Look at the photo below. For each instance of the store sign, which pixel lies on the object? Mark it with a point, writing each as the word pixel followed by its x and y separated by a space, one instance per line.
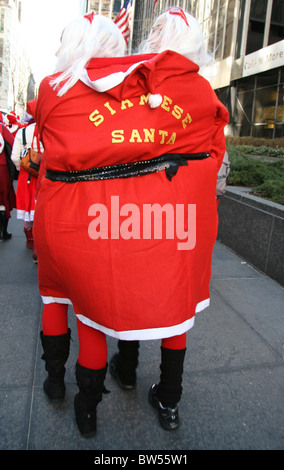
pixel 265 59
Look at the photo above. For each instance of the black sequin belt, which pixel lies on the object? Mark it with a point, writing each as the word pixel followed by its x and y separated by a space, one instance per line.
pixel 168 162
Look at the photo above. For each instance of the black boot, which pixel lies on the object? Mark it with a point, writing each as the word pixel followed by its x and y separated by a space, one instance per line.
pixel 56 352
pixel 91 387
pixel 165 395
pixel 4 235
pixel 124 363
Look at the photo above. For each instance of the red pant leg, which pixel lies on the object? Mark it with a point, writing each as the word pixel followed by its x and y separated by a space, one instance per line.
pixel 92 347
pixel 55 319
pixel 175 342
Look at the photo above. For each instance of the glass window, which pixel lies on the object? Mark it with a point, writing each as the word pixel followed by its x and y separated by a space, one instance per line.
pixel 276 32
pixel 220 32
pixel 215 5
pixel 246 83
pixel 267 78
pixel 212 22
pixel 228 40
pixel 229 29
pixel 256 26
pixel 244 112
pixel 2 20
pixel 221 18
pixel 280 107
pixel 219 42
pixel 265 101
pixel 260 105
pixel 244 105
pixel 116 6
pixel 279 131
pixel 240 30
pixel 212 28
pixel 205 31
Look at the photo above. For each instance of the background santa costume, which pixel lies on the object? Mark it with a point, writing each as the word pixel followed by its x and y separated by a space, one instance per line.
pixel 7 192
pixel 27 183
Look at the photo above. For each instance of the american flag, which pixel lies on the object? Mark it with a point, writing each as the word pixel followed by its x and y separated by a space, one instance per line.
pixel 124 19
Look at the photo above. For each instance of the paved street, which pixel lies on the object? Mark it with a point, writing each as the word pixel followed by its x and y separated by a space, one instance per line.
pixel 233 380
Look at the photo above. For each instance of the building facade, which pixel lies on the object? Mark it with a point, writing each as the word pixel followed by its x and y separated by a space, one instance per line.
pixel 246 39
pixel 17 84
pixel 108 8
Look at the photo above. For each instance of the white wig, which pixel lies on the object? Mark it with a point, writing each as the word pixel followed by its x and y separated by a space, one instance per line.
pixel 178 31
pixel 87 37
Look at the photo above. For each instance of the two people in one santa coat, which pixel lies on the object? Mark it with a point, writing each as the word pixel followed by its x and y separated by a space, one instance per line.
pixel 127 140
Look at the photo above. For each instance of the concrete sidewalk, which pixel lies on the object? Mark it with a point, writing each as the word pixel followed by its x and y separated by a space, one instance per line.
pixel 233 379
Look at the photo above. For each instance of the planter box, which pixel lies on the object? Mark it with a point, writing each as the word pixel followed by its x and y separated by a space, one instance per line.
pixel 254 229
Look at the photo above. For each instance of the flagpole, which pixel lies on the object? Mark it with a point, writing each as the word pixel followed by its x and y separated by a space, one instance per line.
pixel 132 26
pixel 110 9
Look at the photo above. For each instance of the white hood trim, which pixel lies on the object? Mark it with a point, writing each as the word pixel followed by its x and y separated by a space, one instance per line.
pixel 109 81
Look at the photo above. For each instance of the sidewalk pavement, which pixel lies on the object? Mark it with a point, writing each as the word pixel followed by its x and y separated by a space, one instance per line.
pixel 233 382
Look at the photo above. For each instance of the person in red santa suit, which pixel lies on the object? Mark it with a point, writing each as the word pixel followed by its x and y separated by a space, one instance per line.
pixel 12 122
pixel 126 218
pixel 7 192
pixel 27 183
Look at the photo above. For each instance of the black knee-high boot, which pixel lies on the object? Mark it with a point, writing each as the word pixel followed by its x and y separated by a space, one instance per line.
pixel 167 393
pixel 4 235
pixel 55 354
pixel 124 363
pixel 91 387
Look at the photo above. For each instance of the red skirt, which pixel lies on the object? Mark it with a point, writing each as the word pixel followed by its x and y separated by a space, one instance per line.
pixel 7 192
pixel 26 190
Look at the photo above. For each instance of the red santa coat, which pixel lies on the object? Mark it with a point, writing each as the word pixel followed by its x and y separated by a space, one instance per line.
pixel 27 183
pixel 126 274
pixel 7 192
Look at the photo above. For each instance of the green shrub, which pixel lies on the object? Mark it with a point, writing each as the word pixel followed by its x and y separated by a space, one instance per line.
pixel 266 178
pixel 262 150
pixel 255 141
pixel 271 189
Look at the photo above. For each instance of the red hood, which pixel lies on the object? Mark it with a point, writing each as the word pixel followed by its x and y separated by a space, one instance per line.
pixel 127 77
pixel 31 106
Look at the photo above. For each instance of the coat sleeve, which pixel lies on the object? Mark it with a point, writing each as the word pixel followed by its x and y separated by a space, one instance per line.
pixel 221 120
pixel 47 100
pixel 8 136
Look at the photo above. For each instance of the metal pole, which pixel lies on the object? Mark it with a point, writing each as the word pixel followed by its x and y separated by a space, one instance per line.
pixel 132 26
pixel 245 28
pixel 110 9
pixel 267 23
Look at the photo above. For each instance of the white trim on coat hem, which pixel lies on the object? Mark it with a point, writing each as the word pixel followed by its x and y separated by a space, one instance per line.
pixel 140 335
pixel 26 216
pixel 202 305
pixel 135 335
